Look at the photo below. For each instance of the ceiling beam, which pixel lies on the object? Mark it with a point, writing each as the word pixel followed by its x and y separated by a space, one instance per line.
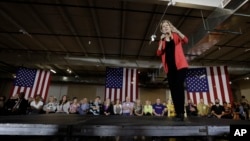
pixel 7 67
pixel 67 19
pixel 196 4
pixel 183 18
pixel 148 27
pixel 123 23
pixel 45 26
pixel 97 27
pixel 232 50
pixel 21 29
pixel 14 40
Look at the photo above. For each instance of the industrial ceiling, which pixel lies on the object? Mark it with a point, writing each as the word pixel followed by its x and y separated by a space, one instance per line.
pixel 80 38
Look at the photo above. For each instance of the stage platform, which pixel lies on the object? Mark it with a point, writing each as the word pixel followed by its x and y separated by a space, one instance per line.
pixel 70 126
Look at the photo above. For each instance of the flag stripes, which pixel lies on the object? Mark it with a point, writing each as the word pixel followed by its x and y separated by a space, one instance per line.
pixel 129 87
pixel 40 84
pixel 218 84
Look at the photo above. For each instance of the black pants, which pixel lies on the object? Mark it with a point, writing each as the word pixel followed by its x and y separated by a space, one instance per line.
pixel 176 84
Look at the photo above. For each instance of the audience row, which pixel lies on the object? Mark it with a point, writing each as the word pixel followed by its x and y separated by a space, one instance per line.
pixel 20 105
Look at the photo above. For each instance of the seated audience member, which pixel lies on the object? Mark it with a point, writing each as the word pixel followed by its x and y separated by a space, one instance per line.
pixel 127 107
pixel 63 106
pixel 50 107
pixel 138 108
pixel 171 110
pixel 74 106
pixel 2 104
pixel 228 114
pixel 191 108
pixel 117 107
pixel 10 104
pixel 202 109
pixel 210 104
pixel 107 108
pixel 244 102
pixel 36 105
pixel 30 99
pixel 55 99
pixel 20 106
pixel 158 108
pixel 147 108
pixel 238 113
pixel 138 111
pixel 217 110
pixel 95 107
pixel 166 109
pixel 2 101
pixel 84 107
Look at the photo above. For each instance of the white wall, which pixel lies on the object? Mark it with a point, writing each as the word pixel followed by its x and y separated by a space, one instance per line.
pixel 245 88
pixel 58 90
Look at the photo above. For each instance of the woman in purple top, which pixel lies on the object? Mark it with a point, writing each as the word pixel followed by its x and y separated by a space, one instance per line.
pixel 107 108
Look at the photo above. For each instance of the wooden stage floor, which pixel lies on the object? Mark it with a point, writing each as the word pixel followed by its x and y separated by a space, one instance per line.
pixel 70 126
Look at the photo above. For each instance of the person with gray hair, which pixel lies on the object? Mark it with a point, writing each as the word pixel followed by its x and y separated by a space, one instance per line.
pixel 50 106
pixel 127 107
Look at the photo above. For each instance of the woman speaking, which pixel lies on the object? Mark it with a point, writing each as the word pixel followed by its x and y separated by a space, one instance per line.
pixel 174 63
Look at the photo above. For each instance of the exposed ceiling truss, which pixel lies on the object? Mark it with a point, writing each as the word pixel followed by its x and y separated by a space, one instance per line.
pixel 87 36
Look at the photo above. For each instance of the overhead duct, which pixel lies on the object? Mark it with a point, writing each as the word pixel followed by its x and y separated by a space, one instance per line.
pixel 232 4
pixel 239 70
pixel 203 39
pixel 114 62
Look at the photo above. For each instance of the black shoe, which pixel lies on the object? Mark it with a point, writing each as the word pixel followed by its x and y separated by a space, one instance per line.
pixel 179 117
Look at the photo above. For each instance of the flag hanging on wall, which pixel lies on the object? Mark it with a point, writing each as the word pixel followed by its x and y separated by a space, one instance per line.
pixel 32 82
pixel 208 83
pixel 120 83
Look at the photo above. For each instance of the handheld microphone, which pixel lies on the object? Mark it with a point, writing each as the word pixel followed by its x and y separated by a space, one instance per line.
pixel 163 37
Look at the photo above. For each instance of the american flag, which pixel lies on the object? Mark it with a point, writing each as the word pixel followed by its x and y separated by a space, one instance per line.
pixel 208 83
pixel 120 83
pixel 32 82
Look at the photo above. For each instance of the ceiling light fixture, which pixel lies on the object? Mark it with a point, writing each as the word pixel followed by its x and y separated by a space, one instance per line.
pixel 64 78
pixel 52 70
pixel 24 32
pixel 248 49
pixel 69 70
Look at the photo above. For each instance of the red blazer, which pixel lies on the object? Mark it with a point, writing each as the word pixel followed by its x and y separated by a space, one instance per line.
pixel 180 59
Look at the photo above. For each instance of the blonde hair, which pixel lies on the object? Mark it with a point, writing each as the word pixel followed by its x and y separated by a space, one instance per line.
pixel 165 21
